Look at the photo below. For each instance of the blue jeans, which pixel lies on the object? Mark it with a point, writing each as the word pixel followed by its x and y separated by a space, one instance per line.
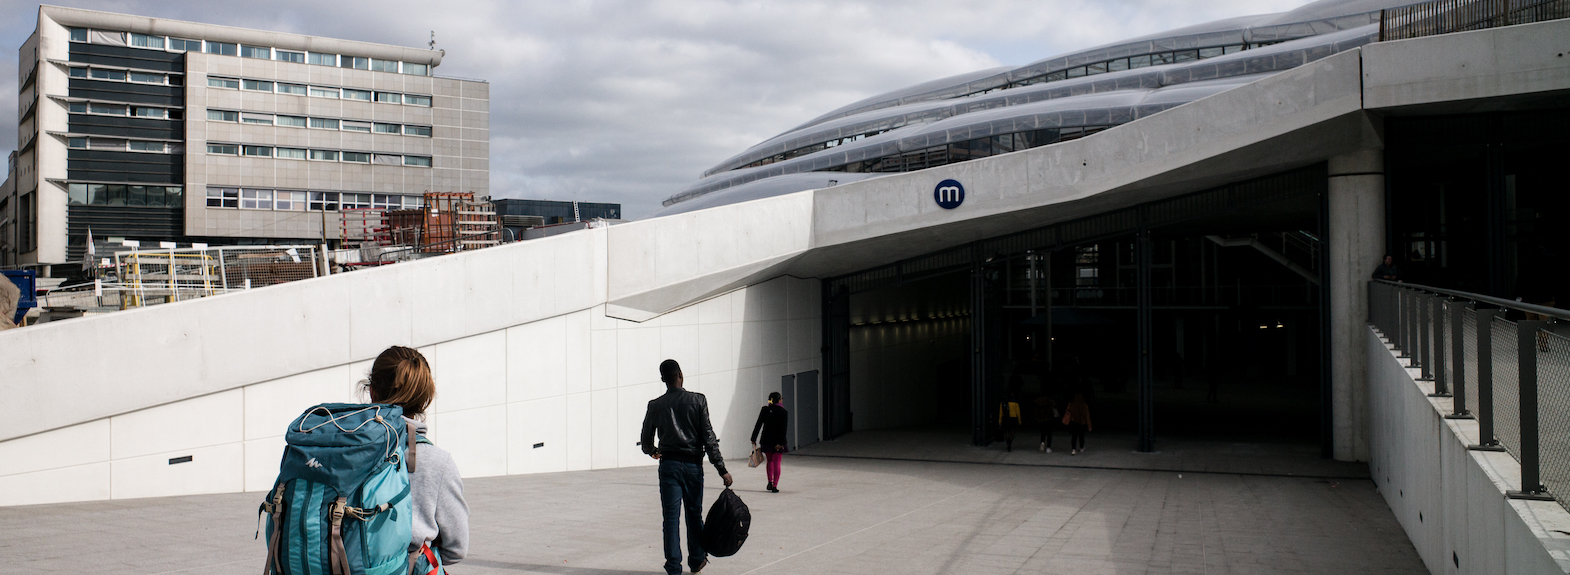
pixel 681 487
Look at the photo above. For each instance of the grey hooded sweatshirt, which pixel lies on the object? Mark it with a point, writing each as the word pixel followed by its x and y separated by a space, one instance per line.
pixel 441 516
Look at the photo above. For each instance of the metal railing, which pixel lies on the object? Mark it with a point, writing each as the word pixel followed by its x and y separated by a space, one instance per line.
pixel 1504 363
pixel 1447 16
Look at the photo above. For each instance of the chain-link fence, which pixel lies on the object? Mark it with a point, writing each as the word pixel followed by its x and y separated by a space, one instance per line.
pixel 1509 370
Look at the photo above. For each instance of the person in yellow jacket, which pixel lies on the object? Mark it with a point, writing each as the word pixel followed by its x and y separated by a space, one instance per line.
pixel 1009 419
pixel 1077 418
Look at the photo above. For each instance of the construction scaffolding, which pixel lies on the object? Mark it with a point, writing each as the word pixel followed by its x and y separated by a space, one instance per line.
pixel 455 222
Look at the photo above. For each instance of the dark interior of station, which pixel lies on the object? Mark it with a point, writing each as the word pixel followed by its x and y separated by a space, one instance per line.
pixel 1234 325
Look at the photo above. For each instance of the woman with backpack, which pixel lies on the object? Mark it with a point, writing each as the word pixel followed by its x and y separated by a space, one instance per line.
pixel 771 423
pixel 1077 418
pixel 401 376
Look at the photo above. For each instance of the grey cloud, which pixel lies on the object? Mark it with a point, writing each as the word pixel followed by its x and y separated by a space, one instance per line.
pixel 630 101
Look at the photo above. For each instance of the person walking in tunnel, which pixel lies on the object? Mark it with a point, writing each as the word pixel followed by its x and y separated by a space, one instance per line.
pixel 1077 418
pixel 1009 418
pixel 1046 415
pixel 771 423
pixel 681 420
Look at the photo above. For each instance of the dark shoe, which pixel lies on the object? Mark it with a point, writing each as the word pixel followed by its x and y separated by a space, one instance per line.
pixel 773 489
pixel 699 569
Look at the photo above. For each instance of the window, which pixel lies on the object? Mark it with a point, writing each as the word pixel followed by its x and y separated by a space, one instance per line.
pixel 223 116
pixel 386 159
pixel 76 194
pixel 324 201
pixel 356 63
pixel 416 69
pixel 287 56
pixel 414 100
pixel 78 72
pixel 293 201
pixel 362 95
pixel 259 151
pixel 147 146
pixel 324 123
pixel 384 66
pixel 384 201
pixel 356 126
pixel 250 118
pixel 98 74
pixel 355 201
pixel 229 83
pixel 421 161
pixel 413 202
pixel 256 199
pixel 295 89
pixel 258 52
pixel 76 142
pixel 290 121
pixel 146 78
pixel 78 34
pixel 381 128
pixel 78 107
pixel 258 85
pixel 417 131
pixel 185 45
pixel 226 149
pixel 326 155
pixel 142 41
pixel 290 154
pixel 223 197
pixel 321 59
pixel 324 92
pixel 357 157
pixel 221 49
pixel 110 109
pixel 176 114
pixel 176 80
pixel 105 144
pixel 389 97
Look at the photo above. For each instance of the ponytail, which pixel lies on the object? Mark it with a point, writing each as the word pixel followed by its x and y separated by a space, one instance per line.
pixel 401 376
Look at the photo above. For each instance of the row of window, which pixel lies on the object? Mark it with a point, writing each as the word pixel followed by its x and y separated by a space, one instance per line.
pixel 318 123
pixel 298 201
pixel 132 76
pixel 119 145
pixel 956 152
pixel 104 109
pixel 319 91
pixel 246 51
pixel 319 155
pixel 1113 65
pixel 126 195
pixel 799 152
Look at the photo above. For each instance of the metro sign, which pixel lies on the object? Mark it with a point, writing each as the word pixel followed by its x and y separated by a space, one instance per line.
pixel 949 194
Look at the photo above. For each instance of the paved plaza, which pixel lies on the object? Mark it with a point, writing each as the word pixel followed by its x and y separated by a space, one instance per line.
pixel 838 512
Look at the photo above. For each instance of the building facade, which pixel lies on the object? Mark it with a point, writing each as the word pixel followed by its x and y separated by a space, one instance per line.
pixel 152 129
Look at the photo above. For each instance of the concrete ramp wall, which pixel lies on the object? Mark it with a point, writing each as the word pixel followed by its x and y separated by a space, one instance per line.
pixel 1451 501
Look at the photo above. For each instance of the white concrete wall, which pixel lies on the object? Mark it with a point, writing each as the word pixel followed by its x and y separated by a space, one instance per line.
pixel 1451 500
pixel 576 382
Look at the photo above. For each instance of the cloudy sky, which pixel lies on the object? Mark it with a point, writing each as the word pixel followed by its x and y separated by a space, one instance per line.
pixel 630 101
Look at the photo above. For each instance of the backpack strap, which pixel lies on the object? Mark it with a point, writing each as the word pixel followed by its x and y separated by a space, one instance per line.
pixel 337 557
pixel 274 508
pixel 409 453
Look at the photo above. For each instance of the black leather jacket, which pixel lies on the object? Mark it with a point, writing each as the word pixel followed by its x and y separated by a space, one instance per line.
pixel 681 418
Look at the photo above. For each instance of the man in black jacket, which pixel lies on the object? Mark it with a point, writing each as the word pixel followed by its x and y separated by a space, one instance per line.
pixel 681 418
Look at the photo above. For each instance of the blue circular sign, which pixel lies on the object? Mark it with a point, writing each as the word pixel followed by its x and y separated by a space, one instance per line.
pixel 949 194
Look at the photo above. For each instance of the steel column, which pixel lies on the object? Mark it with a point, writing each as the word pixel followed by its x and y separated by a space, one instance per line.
pixel 1531 455
pixel 1436 314
pixel 1458 359
pixel 1147 441
pixel 1487 440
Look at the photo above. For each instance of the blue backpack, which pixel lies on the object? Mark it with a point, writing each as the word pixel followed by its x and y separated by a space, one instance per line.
pixel 341 503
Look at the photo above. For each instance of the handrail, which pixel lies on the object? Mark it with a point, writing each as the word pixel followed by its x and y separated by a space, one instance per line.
pixel 1448 16
pixel 1556 313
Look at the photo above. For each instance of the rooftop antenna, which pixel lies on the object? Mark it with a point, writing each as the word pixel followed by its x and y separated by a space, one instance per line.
pixel 433 40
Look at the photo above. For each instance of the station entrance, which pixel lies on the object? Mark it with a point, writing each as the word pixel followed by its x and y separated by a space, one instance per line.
pixel 1197 317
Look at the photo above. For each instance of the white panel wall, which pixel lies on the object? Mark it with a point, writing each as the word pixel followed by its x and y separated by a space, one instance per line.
pixel 574 384
pixel 1451 501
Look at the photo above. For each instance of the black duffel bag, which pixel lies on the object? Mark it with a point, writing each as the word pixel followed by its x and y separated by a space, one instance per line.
pixel 725 529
